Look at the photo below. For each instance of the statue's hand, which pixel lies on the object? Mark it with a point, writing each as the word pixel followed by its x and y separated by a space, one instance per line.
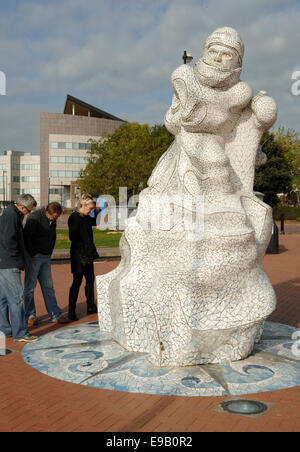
pixel 264 109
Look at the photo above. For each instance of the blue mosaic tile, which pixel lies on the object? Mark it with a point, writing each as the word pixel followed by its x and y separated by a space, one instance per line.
pixel 85 356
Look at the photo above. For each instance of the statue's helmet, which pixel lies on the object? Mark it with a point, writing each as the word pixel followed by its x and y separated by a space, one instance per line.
pixel 228 37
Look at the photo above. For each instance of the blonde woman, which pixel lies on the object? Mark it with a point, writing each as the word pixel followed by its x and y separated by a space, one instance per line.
pixel 83 254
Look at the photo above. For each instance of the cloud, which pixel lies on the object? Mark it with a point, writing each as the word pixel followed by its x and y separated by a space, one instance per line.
pixel 119 55
pixel 20 127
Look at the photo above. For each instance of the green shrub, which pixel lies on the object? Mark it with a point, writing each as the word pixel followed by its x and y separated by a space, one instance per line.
pixel 290 213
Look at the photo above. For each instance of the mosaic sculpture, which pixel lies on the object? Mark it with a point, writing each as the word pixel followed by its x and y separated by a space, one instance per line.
pixel 191 288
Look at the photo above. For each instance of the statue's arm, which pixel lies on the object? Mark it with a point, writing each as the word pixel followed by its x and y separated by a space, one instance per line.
pixel 181 99
pixel 239 96
pixel 242 147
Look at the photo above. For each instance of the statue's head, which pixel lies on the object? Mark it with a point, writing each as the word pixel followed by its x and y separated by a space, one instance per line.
pixel 224 46
pixel 222 58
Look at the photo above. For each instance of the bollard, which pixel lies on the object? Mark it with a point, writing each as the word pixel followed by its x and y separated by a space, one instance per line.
pixel 282 224
pixel 273 247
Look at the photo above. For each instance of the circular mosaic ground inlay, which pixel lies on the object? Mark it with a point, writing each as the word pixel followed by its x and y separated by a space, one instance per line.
pixel 81 354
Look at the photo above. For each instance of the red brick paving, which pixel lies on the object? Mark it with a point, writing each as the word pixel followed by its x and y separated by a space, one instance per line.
pixel 33 402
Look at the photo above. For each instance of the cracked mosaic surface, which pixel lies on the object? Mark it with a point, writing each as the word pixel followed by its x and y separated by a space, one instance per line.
pixel 198 295
pixel 82 355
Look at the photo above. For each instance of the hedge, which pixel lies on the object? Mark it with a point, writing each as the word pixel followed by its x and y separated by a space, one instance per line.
pixel 290 213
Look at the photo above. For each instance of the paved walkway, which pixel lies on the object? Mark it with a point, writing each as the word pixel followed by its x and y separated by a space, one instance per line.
pixel 31 401
pixel 290 227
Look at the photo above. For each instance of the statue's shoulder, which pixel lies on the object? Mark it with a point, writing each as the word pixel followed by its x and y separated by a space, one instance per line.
pixel 183 72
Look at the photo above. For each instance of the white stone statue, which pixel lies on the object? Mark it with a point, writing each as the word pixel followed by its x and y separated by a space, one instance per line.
pixel 190 288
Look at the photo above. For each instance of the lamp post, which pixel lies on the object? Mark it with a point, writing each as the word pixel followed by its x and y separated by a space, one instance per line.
pixel 4 191
pixel 187 57
pixel 61 193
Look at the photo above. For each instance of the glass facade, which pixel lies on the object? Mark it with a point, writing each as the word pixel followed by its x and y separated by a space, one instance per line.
pixel 32 191
pixel 80 160
pixel 65 174
pixel 28 167
pixel 65 145
pixel 55 191
pixel 30 179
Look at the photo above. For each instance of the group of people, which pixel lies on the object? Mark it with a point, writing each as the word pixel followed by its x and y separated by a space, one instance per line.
pixel 27 240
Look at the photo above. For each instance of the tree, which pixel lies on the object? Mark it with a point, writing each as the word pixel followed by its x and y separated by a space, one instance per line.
pixel 125 159
pixel 276 175
pixel 290 143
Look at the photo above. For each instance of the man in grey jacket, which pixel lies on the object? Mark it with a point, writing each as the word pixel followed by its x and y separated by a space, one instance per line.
pixel 12 261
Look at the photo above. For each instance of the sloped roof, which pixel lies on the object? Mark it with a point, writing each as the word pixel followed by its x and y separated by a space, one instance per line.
pixel 84 109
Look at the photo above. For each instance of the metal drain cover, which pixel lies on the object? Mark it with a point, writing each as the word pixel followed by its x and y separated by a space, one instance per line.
pixel 243 406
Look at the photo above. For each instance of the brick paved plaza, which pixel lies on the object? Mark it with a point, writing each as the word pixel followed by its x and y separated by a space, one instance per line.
pixel 32 402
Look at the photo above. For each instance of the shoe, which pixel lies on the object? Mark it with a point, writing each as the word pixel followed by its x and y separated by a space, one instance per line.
pixel 32 321
pixel 61 320
pixel 28 338
pixel 92 309
pixel 72 316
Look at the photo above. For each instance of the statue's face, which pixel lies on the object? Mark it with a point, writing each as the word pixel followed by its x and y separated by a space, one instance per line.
pixel 221 57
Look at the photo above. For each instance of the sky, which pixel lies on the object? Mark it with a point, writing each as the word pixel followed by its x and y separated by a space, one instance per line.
pixel 119 55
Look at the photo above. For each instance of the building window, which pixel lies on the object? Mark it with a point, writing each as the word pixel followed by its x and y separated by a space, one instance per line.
pixel 77 160
pixel 55 191
pixel 2 167
pixel 16 191
pixel 30 179
pixel 30 167
pixel 32 191
pixel 65 174
pixel 16 179
pixel 64 145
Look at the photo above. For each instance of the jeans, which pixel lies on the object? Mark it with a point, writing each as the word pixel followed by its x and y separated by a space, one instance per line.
pixel 39 269
pixel 12 317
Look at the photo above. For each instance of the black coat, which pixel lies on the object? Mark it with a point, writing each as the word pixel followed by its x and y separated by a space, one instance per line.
pixel 40 233
pixel 12 250
pixel 83 250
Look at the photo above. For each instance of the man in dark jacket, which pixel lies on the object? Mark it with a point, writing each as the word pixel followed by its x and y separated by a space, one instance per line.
pixel 40 238
pixel 12 261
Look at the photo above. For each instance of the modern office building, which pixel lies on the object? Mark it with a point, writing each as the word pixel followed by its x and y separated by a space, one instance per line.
pixel 19 173
pixel 65 144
